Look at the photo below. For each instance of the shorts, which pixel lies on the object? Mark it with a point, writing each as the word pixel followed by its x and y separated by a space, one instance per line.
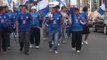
pixel 86 30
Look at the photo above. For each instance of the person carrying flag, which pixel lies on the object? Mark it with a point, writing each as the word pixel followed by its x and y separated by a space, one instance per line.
pixel 54 21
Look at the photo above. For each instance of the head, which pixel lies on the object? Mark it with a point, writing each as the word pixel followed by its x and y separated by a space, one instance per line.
pixel 64 8
pixel 77 12
pixel 35 3
pixel 20 7
pixel 1 10
pixel 54 10
pixel 6 9
pixel 85 9
pixel 33 9
pixel 24 9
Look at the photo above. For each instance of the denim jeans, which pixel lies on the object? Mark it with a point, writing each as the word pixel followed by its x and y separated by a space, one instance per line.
pixel 8 39
pixel 0 40
pixel 53 37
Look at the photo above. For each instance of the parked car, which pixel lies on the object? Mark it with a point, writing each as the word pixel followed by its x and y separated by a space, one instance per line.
pixel 90 22
pixel 101 24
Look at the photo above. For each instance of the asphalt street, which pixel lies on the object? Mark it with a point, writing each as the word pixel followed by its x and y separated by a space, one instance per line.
pixel 96 50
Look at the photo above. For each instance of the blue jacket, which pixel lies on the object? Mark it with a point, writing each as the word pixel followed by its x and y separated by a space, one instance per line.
pixel 54 25
pixel 24 22
pixel 76 26
pixel 36 22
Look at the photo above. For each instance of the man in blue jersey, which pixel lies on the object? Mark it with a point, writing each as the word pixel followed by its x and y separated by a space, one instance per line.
pixel 3 31
pixel 54 21
pixel 35 28
pixel 23 26
pixel 1 26
pixel 77 29
pixel 9 24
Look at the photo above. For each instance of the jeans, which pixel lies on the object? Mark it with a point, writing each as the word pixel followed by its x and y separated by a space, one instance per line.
pixel 8 39
pixel 24 41
pixel 53 37
pixel 0 40
pixel 3 40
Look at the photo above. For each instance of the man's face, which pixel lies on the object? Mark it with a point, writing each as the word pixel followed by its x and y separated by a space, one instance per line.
pixel 77 12
pixel 24 9
pixel 54 10
pixel 20 7
pixel 33 10
pixel 7 9
pixel 3 11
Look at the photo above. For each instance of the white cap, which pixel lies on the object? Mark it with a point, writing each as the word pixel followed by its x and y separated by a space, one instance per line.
pixel 34 7
pixel 35 0
pixel 53 4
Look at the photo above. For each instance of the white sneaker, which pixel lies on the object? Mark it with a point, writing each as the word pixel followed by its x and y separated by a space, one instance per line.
pixel 78 51
pixel 86 42
pixel 73 49
pixel 56 52
pixel 37 47
pixel 9 48
pixel 52 43
pixel 82 43
pixel 58 44
pixel 31 46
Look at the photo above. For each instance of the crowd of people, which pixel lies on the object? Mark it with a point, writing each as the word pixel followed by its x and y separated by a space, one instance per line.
pixel 60 23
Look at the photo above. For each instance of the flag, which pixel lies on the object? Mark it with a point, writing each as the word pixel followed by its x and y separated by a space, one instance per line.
pixel 26 2
pixel 61 3
pixel 9 3
pixel 43 7
pixel 101 10
pixel 67 2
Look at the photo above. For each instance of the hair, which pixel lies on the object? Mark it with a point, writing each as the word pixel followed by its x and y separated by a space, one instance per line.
pixel 5 7
pixel 76 9
pixel 85 9
pixel 63 7
pixel 25 6
pixel 1 8
pixel 20 5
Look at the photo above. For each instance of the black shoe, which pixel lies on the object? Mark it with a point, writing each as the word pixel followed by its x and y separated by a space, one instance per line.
pixel 26 53
pixel 21 49
pixel 0 50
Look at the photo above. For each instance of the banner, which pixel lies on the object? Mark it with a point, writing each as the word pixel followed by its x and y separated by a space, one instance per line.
pixel 102 9
pixel 9 3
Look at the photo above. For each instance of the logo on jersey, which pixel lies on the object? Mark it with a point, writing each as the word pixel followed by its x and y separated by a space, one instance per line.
pixel 27 17
pixel 5 17
pixel 21 18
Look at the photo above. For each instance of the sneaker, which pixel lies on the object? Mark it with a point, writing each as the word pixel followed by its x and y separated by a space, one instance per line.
pixel 31 46
pixel 9 48
pixel 78 51
pixel 21 49
pixel 58 44
pixel 82 43
pixel 56 52
pixel 52 43
pixel 37 47
pixel 73 49
pixel 86 42
pixel 63 42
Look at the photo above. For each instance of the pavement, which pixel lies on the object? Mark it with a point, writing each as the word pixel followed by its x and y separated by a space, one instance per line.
pixel 96 50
